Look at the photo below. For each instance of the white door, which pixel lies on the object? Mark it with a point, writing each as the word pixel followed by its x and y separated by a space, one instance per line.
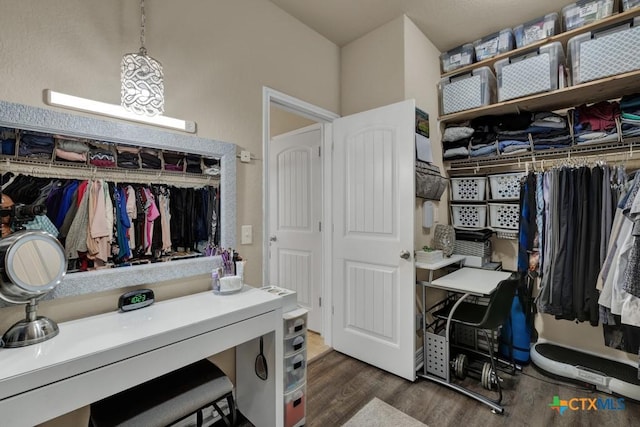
pixel 373 215
pixel 295 203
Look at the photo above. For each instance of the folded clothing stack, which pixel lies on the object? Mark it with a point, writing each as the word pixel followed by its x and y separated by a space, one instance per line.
pixel 596 123
pixel 455 141
pixel 71 149
pixel 173 162
pixel 128 157
pixel 549 130
pixel 8 141
pixel 513 134
pixel 211 166
pixel 630 115
pixel 194 164
pixel 102 155
pixel 36 145
pixel 484 141
pixel 150 159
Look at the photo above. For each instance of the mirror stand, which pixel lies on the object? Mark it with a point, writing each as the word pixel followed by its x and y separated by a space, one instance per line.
pixel 31 330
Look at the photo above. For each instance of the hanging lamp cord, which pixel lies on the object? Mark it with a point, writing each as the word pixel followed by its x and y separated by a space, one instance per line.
pixel 143 50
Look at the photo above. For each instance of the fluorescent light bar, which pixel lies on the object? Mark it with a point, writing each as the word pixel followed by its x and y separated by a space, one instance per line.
pixel 58 99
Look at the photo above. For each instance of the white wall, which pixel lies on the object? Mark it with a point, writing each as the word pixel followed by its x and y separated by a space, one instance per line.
pixel 217 55
pixel 372 70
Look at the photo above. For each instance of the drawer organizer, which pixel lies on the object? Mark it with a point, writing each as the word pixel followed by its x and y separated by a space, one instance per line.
pixel 295 367
pixel 504 216
pixel 469 216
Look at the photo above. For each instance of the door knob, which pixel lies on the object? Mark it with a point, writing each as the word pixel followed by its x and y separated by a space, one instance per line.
pixel 273 238
pixel 405 255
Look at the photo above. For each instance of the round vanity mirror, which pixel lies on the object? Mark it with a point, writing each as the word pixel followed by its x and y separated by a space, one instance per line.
pixel 32 263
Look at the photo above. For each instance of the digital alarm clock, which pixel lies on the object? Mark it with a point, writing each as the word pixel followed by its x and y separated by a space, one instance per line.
pixel 135 299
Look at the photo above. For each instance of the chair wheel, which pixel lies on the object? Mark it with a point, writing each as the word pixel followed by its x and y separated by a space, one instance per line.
pixel 460 365
pixel 488 377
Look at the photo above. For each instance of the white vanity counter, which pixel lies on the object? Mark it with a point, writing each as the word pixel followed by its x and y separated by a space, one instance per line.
pixel 98 356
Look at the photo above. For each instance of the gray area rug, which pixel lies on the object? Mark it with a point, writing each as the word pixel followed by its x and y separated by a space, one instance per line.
pixel 377 413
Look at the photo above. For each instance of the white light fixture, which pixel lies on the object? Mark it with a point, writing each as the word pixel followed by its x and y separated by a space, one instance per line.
pixel 142 90
pixel 58 99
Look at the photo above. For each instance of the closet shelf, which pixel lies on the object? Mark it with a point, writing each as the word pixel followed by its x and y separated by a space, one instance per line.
pixel 562 37
pixel 626 149
pixel 590 92
pixel 134 176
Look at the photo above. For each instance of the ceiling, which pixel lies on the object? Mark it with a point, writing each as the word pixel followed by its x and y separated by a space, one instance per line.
pixel 447 23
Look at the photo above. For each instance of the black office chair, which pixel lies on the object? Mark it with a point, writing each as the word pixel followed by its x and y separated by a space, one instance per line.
pixel 486 318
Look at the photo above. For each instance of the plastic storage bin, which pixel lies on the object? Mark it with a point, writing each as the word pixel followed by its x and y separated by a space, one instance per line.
pixel 505 186
pixel 504 216
pixel 295 326
pixel 536 30
pixel 533 72
pixel 468 189
pixel 630 4
pixel 466 91
pixel 494 44
pixel 456 58
pixel 469 216
pixel 294 404
pixel 294 343
pixel 597 55
pixel 294 369
pixel 580 13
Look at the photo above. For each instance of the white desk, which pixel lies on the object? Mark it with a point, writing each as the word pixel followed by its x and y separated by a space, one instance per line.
pixel 467 281
pixel 98 356
pixel 472 281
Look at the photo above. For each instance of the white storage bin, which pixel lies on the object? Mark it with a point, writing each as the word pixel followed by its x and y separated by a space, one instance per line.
pixel 536 30
pixel 295 326
pixel 630 4
pixel 597 55
pixel 456 58
pixel 505 186
pixel 430 257
pixel 294 406
pixel 583 12
pixel 468 189
pixel 534 72
pixel 295 343
pixel 295 367
pixel 469 216
pixel 466 91
pixel 504 216
pixel 494 44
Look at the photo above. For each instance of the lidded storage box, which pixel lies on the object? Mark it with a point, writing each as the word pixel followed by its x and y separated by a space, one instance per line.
pixel 456 58
pixel 468 189
pixel 630 4
pixel 533 72
pixel 536 30
pixel 584 12
pixel 606 53
pixel 494 44
pixel 467 91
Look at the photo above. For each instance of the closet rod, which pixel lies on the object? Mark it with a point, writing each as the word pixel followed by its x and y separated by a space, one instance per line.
pixel 531 162
pixel 125 176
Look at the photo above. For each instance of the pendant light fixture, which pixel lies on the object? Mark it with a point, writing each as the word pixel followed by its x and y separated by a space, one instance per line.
pixel 141 77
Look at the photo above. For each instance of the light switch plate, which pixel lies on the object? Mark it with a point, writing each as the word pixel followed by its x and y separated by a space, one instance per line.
pixel 247 234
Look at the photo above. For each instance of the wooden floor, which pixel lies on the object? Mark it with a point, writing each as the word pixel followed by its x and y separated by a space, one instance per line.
pixel 315 346
pixel 338 386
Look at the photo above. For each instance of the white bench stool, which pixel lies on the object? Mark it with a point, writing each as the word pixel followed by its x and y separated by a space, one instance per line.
pixel 168 399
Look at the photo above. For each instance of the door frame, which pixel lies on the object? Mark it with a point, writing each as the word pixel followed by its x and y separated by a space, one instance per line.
pixel 302 108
